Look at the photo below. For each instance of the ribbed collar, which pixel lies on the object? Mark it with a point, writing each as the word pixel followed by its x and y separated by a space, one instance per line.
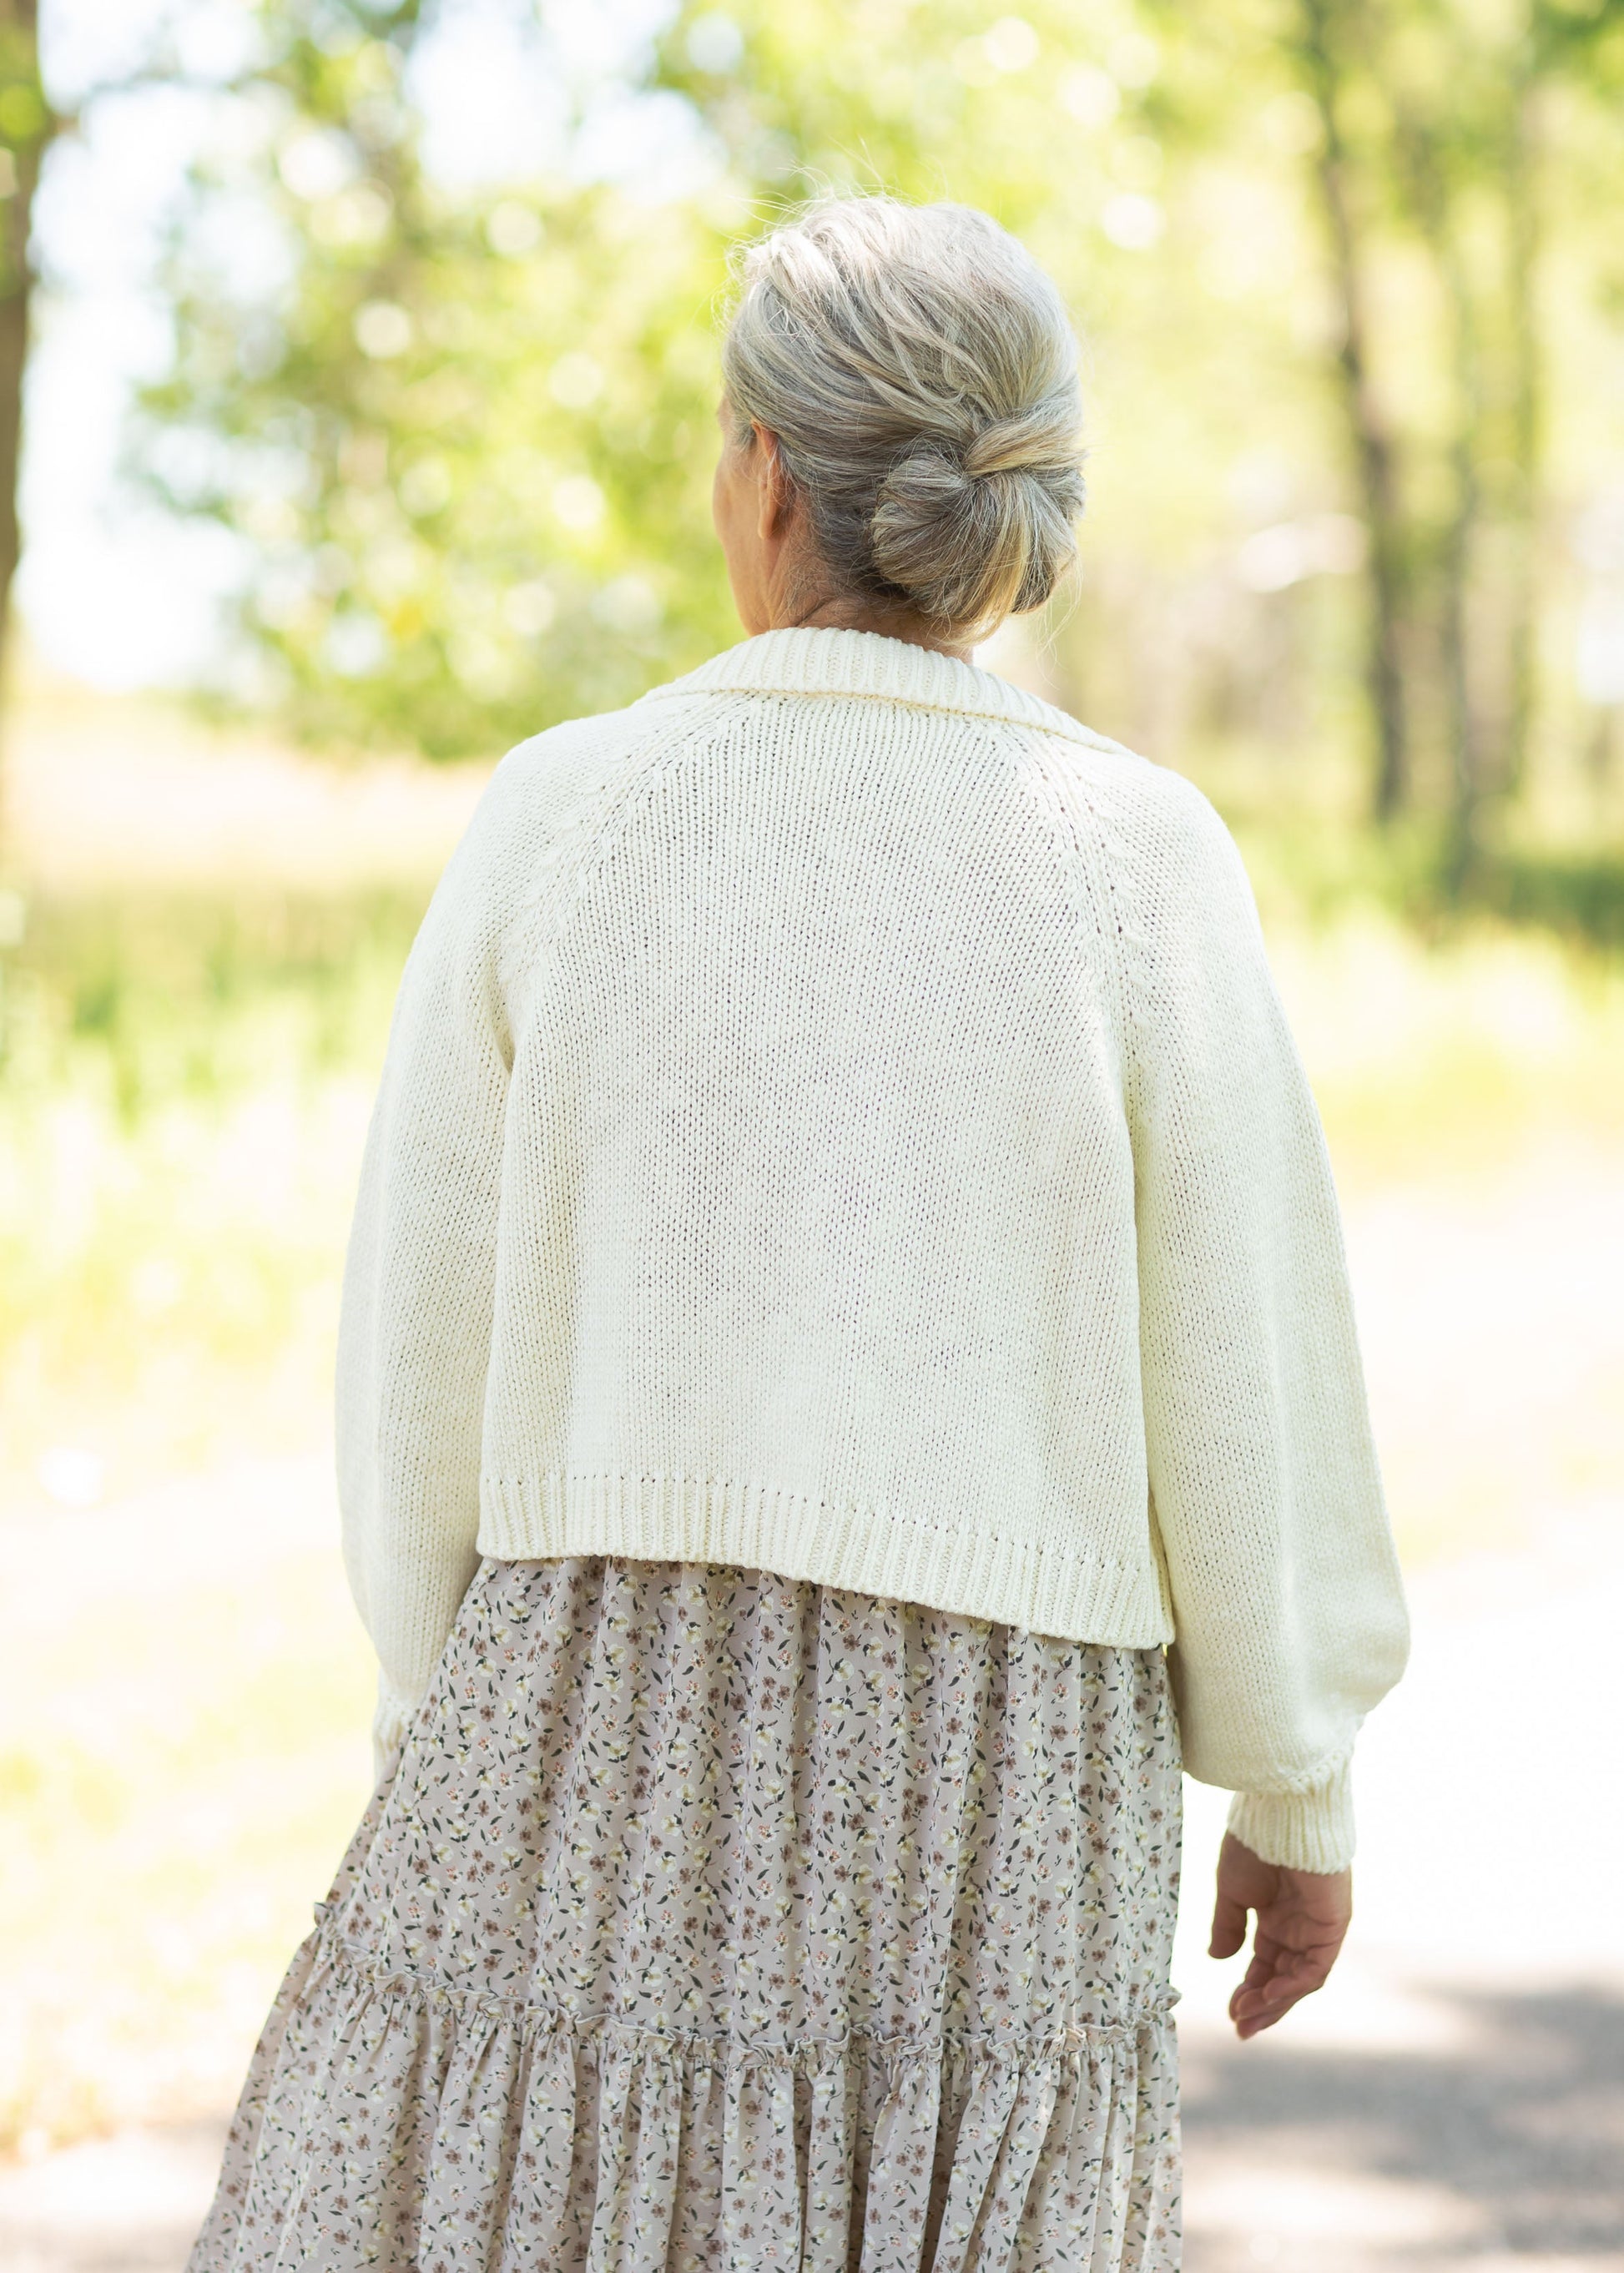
pixel 818 661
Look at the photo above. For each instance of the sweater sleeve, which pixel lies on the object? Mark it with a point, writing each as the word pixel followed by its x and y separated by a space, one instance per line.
pixel 415 1311
pixel 1267 1499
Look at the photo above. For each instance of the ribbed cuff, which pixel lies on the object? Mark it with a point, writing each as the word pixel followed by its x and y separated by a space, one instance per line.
pixel 1310 1830
pixel 390 1723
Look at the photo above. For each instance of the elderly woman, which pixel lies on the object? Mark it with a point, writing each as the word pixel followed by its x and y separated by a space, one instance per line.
pixel 846 1379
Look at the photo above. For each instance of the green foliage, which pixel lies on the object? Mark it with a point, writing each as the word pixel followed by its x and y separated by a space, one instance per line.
pixel 160 996
pixel 472 481
pixel 1581 895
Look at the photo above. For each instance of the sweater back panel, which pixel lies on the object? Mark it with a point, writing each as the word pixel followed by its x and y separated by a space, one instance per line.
pixel 817 1189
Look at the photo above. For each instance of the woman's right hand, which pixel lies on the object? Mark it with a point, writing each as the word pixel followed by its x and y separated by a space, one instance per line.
pixel 1302 1919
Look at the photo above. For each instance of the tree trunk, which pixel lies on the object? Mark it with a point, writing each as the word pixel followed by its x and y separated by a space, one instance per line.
pixel 1465 734
pixel 1426 175
pixel 1372 443
pixel 27 126
pixel 1522 220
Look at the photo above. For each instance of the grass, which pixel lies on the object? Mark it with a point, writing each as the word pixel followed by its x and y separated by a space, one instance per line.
pixel 1455 1058
pixel 189 1066
pixel 184 1094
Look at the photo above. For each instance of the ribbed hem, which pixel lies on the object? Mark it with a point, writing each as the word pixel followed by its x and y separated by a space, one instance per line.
pixel 1310 1830
pixel 977 1573
pixel 390 1725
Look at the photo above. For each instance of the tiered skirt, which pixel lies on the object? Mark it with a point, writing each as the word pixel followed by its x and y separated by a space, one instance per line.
pixel 714 1919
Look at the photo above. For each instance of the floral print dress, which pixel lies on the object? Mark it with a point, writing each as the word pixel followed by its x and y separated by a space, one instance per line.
pixel 715 1919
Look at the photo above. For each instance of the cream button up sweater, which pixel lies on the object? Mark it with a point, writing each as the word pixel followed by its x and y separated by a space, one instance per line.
pixel 838 1119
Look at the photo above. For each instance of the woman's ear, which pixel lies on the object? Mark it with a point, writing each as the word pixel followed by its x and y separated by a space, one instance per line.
pixel 777 490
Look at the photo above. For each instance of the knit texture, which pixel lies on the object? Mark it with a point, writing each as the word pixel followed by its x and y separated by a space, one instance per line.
pixel 838 1119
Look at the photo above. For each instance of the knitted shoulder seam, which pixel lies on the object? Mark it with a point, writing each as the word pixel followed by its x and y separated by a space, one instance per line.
pixel 626 781
pixel 1126 941
pixel 1123 875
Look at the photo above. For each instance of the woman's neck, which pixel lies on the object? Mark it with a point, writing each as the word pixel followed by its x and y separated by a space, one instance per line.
pixel 834 614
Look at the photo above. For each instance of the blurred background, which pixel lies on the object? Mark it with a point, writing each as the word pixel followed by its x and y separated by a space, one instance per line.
pixel 362 358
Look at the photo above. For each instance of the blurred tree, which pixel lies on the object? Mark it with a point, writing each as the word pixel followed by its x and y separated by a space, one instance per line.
pixel 470 481
pixel 1326 36
pixel 1431 145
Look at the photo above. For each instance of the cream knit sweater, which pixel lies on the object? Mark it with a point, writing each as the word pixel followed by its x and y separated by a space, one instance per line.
pixel 838 1119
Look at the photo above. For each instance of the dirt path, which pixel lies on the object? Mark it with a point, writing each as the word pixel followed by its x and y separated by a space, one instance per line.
pixel 1454 2099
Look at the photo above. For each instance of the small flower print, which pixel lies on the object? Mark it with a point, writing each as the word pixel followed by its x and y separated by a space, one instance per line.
pixel 645 1951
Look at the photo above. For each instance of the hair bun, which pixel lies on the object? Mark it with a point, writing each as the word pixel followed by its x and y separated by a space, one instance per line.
pixel 972 537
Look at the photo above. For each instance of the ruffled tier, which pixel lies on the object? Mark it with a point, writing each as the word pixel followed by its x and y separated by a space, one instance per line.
pixel 392 2122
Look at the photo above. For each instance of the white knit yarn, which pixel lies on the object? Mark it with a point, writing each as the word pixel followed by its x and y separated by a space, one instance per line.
pixel 837 1117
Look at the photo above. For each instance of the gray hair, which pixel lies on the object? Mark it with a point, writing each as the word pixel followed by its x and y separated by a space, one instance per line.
pixel 918 370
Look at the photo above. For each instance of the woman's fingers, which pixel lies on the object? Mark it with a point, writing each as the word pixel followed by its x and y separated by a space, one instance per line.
pixel 1250 2019
pixel 1245 1883
pixel 1277 1978
pixel 1229 1932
